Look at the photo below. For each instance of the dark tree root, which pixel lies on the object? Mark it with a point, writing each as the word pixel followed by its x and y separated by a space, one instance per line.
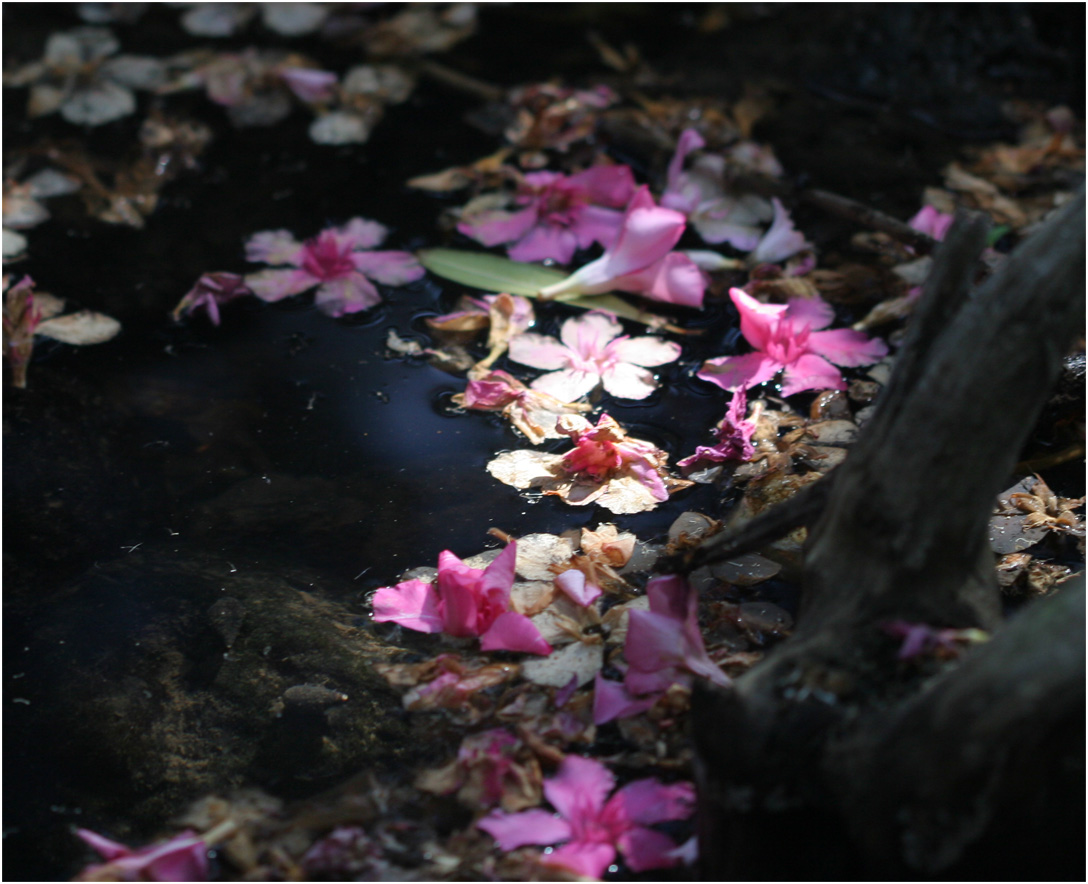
pixel 833 759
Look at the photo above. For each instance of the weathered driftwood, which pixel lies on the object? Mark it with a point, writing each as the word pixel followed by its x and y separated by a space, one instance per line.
pixel 830 746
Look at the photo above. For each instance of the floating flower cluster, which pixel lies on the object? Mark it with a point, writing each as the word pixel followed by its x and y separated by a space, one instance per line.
pixel 606 467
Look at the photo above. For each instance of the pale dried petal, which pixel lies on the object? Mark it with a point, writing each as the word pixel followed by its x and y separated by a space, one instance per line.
pixel 525 468
pixel 578 660
pixel 82 328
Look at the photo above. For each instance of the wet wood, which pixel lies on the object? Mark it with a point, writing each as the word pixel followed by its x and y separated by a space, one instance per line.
pixel 811 747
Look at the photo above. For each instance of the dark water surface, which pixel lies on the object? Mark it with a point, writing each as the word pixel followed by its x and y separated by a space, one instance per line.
pixel 286 460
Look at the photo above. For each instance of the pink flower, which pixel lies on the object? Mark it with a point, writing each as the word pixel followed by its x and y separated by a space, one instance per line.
pixel 336 261
pixel 464 601
pixel 606 467
pixel 700 194
pixel 734 435
pixel 604 451
pixel 561 214
pixel 183 858
pixel 786 339
pixel 211 290
pixel 663 646
pixel 592 354
pixel 640 260
pixel 931 221
pixel 591 828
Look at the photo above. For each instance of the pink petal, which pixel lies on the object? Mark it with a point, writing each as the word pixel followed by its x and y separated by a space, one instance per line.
pixel 647 351
pixel 611 700
pixel 309 85
pixel 573 582
pixel 514 632
pixel 567 385
pixel 643 683
pixel 645 849
pixel 647 476
pixel 412 604
pixel 579 788
pixel 628 381
pixel 715 229
pixel 650 801
pixel 106 848
pixel 689 140
pixel 812 312
pixel 274 247
pixel 671 596
pixel 585 858
pixel 605 185
pixel 495 226
pixel 844 346
pixel 360 233
pixel 545 242
pixel 782 240
pixel 184 858
pixel 647 235
pixel 654 641
pixel 675 279
pixel 274 285
pixel 489 394
pixel 388 267
pixel 589 334
pixel 539 351
pixel 459 595
pixel 930 220
pixel 350 294
pixel 757 321
pixel 732 372
pixel 499 575
pixel 811 372
pixel 513 830
pixel 596 224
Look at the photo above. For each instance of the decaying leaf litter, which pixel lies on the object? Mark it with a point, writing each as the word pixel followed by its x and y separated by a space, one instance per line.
pixel 609 645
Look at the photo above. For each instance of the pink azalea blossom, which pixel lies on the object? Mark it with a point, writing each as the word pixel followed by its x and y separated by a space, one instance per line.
pixel 561 214
pixel 641 260
pixel 464 601
pixel 183 858
pixel 337 261
pixel 591 353
pixel 591 827
pixel 786 338
pixel 211 290
pixel 734 434
pixel 699 193
pixel 931 221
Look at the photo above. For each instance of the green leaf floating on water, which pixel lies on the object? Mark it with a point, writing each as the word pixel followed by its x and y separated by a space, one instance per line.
pixel 493 273
pixel 489 272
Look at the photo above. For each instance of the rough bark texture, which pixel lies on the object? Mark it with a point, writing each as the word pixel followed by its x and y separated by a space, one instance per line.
pixel 863 766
